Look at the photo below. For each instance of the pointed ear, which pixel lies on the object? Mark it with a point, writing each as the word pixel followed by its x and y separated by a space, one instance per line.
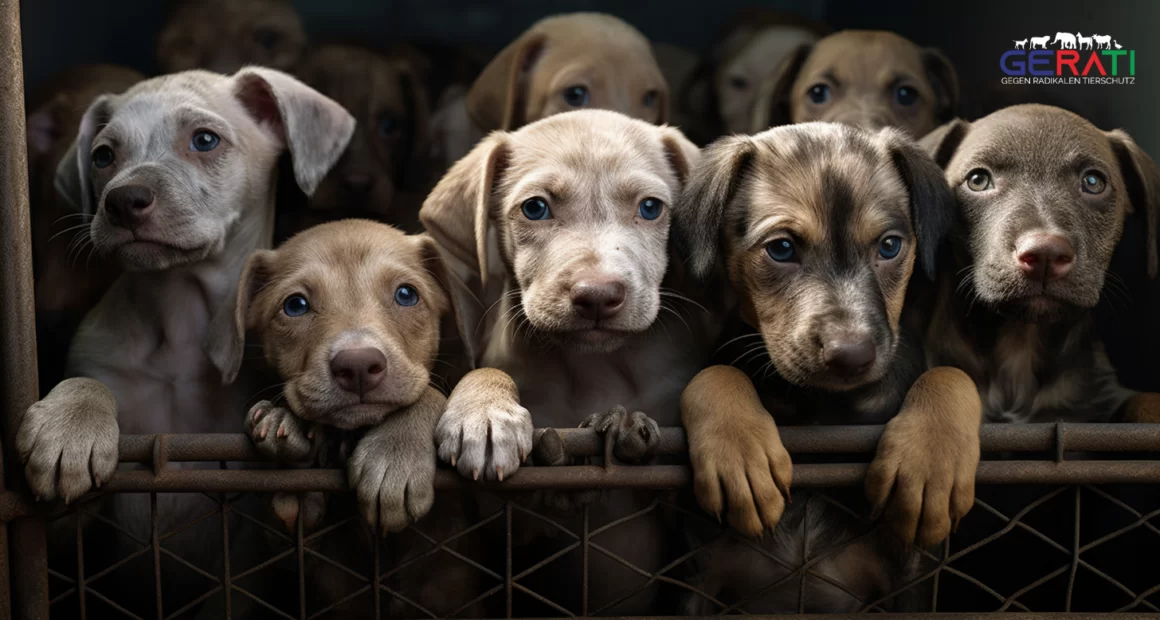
pixel 1142 178
pixel 945 82
pixel 458 211
pixel 700 211
pixel 942 143
pixel 226 341
pixel 681 153
pixel 459 297
pixel 772 105
pixel 932 204
pixel 74 172
pixel 498 98
pixel 314 128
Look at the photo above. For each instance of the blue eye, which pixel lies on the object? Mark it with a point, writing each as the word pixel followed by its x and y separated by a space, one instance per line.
pixel 576 96
pixel 204 141
pixel 906 95
pixel 890 246
pixel 295 305
pixel 819 93
pixel 103 157
pixel 651 208
pixel 781 250
pixel 406 295
pixel 536 209
pixel 387 127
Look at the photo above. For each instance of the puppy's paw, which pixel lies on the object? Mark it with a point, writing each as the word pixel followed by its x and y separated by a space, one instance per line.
pixel 280 435
pixel 311 509
pixel 394 480
pixel 1143 408
pixel 68 441
pixel 922 479
pixel 550 451
pixel 635 435
pixel 484 433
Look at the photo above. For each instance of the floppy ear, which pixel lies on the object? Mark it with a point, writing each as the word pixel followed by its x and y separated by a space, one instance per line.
pixel 1142 177
pixel 932 204
pixel 772 105
pixel 458 211
pixel 681 153
pixel 945 82
pixel 498 98
pixel 43 125
pixel 74 172
pixel 942 143
pixel 456 291
pixel 226 342
pixel 700 211
pixel 314 128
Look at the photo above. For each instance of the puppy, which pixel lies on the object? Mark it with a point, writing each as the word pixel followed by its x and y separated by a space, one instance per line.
pixel 69 280
pixel 867 78
pixel 179 174
pixel 818 228
pixel 1043 196
pixel 371 179
pixel 581 203
pixel 226 35
pixel 561 63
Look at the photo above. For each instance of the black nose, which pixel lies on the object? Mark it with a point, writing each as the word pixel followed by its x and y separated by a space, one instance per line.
pixel 359 371
pixel 597 298
pixel 129 206
pixel 358 183
pixel 850 355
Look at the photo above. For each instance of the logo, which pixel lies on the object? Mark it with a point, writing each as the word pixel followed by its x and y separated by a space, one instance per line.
pixel 1094 59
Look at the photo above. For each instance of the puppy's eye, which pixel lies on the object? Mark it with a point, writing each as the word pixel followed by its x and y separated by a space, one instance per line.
pixel 576 96
pixel 979 180
pixel 889 247
pixel 295 305
pixel 651 208
pixel 267 38
pixel 819 93
pixel 204 141
pixel 650 98
pixel 738 82
pixel 388 127
pixel 536 209
pixel 1093 182
pixel 103 156
pixel 905 95
pixel 781 250
pixel 406 295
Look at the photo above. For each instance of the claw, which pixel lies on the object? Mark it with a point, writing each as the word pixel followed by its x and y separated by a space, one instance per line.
pixel 310 435
pixel 281 432
pixel 499 473
pixel 475 474
pixel 97 480
pixel 876 511
pixel 453 459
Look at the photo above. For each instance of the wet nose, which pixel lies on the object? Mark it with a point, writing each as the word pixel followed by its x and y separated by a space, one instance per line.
pixel 1044 257
pixel 851 355
pixel 597 298
pixel 129 206
pixel 358 183
pixel 359 371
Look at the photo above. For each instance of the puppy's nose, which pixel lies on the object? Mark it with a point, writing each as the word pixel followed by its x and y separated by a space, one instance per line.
pixel 849 355
pixel 1044 257
pixel 129 206
pixel 597 298
pixel 359 371
pixel 358 183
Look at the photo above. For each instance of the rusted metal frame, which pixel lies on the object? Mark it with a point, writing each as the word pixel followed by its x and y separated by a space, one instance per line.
pixel 258 600
pixel 1075 551
pixel 81 564
pixel 301 549
pixel 507 575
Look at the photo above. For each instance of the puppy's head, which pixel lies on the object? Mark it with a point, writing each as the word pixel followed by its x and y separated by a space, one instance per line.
pixel 819 227
pixel 579 60
pixel 226 35
pixel 870 79
pixel 581 203
pixel 171 165
pixel 387 98
pixel 1043 195
pixel 349 313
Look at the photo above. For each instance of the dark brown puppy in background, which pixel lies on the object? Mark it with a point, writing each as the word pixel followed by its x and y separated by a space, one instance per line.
pixel 861 77
pixel 69 279
pixel 818 228
pixel 1043 195
pixel 226 35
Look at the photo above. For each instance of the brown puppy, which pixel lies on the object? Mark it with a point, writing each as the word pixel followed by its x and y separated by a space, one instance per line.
pixel 226 35
pixel 867 78
pixel 1042 195
pixel 818 228
pixel 386 95
pixel 561 63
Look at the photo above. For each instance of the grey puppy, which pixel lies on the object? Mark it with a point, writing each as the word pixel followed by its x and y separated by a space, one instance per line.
pixel 1043 196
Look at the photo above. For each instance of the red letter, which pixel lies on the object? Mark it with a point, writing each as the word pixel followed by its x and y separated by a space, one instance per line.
pixel 1066 57
pixel 1094 60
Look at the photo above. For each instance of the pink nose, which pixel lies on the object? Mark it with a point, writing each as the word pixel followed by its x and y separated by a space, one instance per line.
pixel 359 371
pixel 1044 257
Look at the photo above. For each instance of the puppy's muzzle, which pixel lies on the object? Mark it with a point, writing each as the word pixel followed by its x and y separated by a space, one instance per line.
pixel 358 371
pixel 1044 257
pixel 597 297
pixel 130 206
pixel 358 184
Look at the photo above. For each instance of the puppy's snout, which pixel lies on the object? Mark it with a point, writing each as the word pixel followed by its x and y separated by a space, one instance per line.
pixel 359 371
pixel 851 354
pixel 129 206
pixel 1044 257
pixel 597 297
pixel 357 183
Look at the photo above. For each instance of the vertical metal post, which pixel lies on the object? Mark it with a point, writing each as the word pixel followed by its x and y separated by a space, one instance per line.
pixel 27 558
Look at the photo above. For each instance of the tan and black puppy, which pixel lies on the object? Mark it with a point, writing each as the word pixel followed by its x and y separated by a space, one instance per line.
pixel 226 35
pixel 818 228
pixel 1043 195
pixel 861 77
